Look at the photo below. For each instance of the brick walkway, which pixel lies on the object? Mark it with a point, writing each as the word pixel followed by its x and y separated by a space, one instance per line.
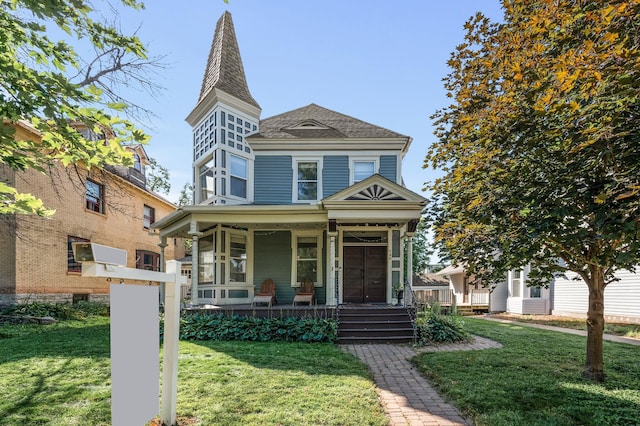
pixel 406 396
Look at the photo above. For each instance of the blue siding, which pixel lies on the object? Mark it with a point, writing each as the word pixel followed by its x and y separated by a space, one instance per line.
pixel 273 179
pixel 272 259
pixel 389 167
pixel 335 174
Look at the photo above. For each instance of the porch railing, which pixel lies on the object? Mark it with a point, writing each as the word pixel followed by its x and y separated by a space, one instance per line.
pixel 430 294
pixel 479 297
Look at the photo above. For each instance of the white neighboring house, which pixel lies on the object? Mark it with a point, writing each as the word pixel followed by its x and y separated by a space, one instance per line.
pixel 468 291
pixel 621 298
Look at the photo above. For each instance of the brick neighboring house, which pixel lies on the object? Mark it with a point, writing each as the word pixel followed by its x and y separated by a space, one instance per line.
pixel 111 207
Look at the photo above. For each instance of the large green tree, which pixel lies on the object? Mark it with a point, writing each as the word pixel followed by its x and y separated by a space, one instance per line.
pixel 540 148
pixel 48 84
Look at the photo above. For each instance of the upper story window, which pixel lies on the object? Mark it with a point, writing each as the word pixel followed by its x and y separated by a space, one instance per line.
pixel 94 196
pixel 238 176
pixel 307 181
pixel 207 182
pixel 362 169
pixel 72 265
pixel 137 163
pixel 149 216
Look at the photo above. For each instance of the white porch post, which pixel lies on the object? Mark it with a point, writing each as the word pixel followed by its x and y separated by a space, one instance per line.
pixel 162 244
pixel 194 263
pixel 331 285
pixel 407 292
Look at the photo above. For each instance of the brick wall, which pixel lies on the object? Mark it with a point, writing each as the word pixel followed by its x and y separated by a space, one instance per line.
pixel 40 244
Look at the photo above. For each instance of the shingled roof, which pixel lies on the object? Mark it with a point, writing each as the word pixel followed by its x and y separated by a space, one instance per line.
pixel 224 66
pixel 316 122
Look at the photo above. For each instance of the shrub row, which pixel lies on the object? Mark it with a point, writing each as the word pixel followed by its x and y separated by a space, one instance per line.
pixel 236 327
pixel 59 311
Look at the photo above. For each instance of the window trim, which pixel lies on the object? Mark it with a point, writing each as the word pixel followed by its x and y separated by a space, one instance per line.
pixel 352 168
pixel 233 176
pixel 317 282
pixel 100 199
pixel 319 166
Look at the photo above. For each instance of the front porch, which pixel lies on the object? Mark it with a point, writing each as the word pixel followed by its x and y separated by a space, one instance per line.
pixel 475 301
pixel 357 323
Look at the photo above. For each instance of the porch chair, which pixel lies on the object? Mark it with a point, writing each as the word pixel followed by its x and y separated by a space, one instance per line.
pixel 266 294
pixel 306 293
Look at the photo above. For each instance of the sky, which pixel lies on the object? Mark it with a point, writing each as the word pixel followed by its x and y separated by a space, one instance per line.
pixel 381 61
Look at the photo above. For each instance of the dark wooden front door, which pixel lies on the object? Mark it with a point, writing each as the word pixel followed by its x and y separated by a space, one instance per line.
pixel 365 274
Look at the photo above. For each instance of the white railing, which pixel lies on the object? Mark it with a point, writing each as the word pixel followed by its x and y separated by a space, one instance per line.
pixel 479 297
pixel 429 294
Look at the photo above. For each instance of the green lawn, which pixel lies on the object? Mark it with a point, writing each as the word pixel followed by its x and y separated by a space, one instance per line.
pixel 59 375
pixel 535 379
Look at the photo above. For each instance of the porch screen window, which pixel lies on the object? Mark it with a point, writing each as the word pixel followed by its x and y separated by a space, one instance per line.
pixel 362 170
pixel 72 265
pixel 207 188
pixel 94 196
pixel 238 177
pixel 238 259
pixel 516 283
pixel 206 257
pixel 307 181
pixel 307 258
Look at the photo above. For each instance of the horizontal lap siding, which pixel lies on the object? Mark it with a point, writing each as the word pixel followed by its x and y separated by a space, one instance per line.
pixel 273 179
pixel 621 298
pixel 272 259
pixel 335 174
pixel 389 167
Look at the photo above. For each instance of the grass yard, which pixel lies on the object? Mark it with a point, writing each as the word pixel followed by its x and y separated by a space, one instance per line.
pixel 535 379
pixel 60 375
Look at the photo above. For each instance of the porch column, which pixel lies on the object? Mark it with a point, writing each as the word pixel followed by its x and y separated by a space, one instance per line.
pixel 194 263
pixel 409 280
pixel 162 244
pixel 332 299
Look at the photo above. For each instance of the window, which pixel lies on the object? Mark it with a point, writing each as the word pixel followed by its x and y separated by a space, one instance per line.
pixel 94 196
pixel 137 164
pixel 149 216
pixel 207 188
pixel 72 265
pixel 307 181
pixel 206 259
pixel 238 176
pixel 306 250
pixel 147 260
pixel 516 283
pixel 535 292
pixel 306 258
pixel 238 259
pixel 363 169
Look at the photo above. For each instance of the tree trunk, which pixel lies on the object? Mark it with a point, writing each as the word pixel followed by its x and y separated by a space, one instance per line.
pixel 594 364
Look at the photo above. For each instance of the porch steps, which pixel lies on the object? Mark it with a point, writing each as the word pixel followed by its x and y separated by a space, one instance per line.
pixel 468 310
pixel 374 324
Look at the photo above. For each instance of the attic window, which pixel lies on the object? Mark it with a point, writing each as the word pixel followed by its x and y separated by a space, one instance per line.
pixel 308 124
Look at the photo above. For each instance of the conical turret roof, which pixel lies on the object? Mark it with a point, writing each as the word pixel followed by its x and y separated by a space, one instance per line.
pixel 224 67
